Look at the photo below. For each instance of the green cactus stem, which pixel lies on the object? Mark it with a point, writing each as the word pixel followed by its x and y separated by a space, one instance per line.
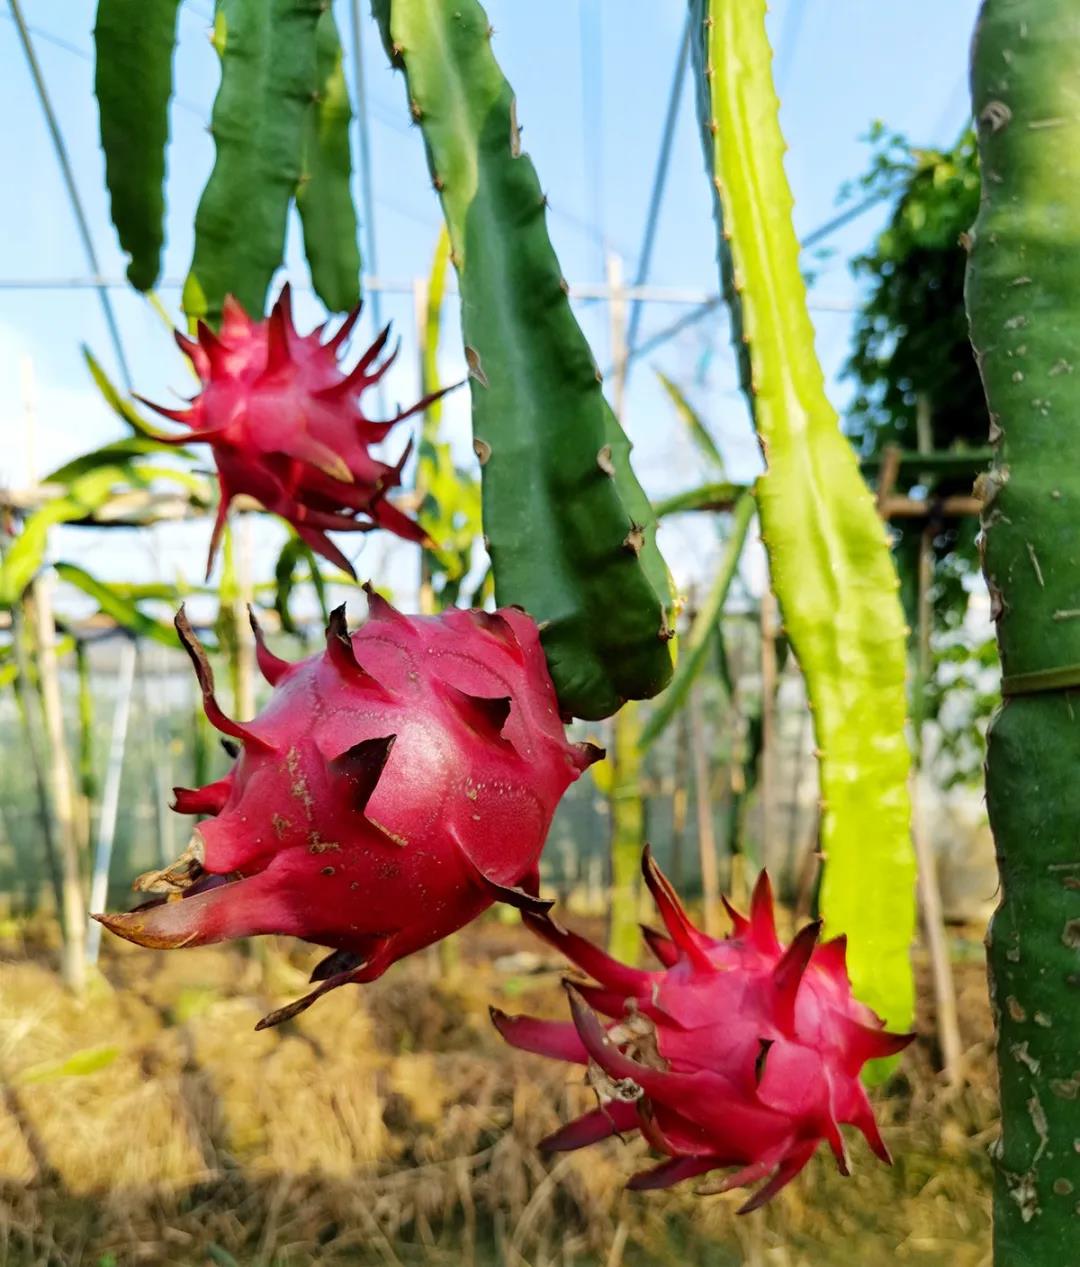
pixel 570 532
pixel 1023 300
pixel 830 565
pixel 324 198
pixel 133 54
pixel 268 86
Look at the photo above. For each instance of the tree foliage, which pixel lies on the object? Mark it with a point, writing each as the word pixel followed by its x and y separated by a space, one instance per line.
pixel 911 343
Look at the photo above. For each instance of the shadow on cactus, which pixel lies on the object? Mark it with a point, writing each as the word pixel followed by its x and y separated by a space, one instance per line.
pixel 286 427
pixel 740 1052
pixel 395 786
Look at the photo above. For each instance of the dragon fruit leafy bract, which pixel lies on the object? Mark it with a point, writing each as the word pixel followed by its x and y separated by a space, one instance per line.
pixel 395 785
pixel 738 1053
pixel 286 428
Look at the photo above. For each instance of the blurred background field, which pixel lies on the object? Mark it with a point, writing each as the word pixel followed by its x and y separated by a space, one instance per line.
pixel 149 1124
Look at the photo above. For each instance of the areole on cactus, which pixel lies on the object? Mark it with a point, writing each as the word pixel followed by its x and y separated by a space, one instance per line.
pixel 394 786
pixel 286 427
pixel 739 1052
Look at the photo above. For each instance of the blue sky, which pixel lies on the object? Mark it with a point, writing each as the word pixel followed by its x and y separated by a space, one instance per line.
pixel 592 79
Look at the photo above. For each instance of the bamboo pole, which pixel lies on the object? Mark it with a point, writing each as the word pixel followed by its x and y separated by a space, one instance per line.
pixel 767 778
pixel 245 638
pixel 933 919
pixel 710 880
pixel 110 797
pixel 153 674
pixel 679 799
pixel 61 787
pixel 627 833
pixel 28 715
pixel 87 789
pixel 929 890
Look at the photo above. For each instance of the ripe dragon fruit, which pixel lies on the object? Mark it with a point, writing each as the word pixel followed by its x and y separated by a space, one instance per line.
pixel 394 786
pixel 739 1052
pixel 286 428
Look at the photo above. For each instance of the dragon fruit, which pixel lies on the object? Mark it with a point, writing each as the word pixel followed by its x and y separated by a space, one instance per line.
pixel 394 786
pixel 286 428
pixel 738 1052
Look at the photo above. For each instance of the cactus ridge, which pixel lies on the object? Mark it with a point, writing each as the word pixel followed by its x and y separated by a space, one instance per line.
pixel 575 543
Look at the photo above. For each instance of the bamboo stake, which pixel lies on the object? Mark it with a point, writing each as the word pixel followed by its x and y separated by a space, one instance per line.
pixel 679 799
pixel 245 639
pixel 933 919
pixel 110 797
pixel 710 881
pixel 28 715
pixel 86 788
pixel 60 781
pixel 767 780
pixel 627 833
pixel 154 679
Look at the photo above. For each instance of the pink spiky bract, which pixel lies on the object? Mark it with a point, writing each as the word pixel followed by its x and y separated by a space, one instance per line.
pixel 394 786
pixel 740 1052
pixel 286 427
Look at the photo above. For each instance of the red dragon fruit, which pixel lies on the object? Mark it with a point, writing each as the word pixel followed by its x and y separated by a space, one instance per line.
pixel 739 1052
pixel 394 786
pixel 286 426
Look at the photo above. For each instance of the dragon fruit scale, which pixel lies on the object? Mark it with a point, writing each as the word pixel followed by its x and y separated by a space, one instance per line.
pixel 286 427
pixel 739 1052
pixel 394 786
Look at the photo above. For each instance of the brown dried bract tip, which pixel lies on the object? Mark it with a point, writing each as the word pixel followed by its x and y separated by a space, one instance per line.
pixel 589 753
pixel 476 370
pixel 634 539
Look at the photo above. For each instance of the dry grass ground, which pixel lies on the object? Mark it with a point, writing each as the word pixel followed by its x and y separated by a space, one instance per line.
pixel 149 1124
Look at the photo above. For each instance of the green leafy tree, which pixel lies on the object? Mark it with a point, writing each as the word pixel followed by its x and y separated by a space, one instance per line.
pixel 911 360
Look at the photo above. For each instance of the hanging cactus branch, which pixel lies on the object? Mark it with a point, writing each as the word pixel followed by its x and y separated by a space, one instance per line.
pixel 134 42
pixel 324 198
pixel 268 87
pixel 829 561
pixel 570 532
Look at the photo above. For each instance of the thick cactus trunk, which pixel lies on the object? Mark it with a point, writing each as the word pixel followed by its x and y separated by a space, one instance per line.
pixel 1023 298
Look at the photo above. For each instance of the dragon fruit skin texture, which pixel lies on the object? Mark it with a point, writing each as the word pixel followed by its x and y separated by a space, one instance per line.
pixel 286 427
pixel 394 786
pixel 738 1053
